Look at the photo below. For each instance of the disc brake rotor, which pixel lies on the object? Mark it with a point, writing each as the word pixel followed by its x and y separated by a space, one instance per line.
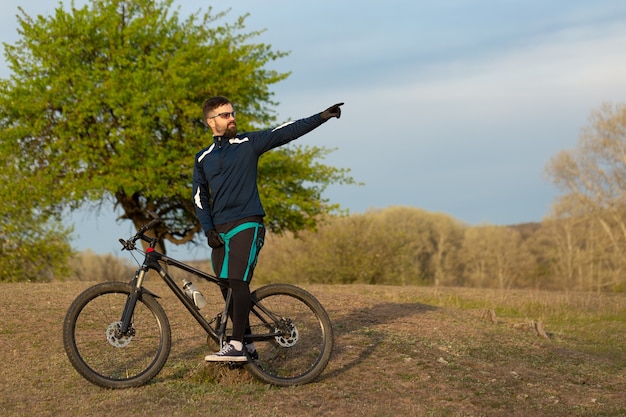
pixel 290 338
pixel 114 337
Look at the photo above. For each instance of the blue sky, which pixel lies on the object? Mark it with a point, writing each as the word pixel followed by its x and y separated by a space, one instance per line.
pixel 451 106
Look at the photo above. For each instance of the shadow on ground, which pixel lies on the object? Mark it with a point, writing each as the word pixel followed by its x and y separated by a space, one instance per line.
pixel 359 332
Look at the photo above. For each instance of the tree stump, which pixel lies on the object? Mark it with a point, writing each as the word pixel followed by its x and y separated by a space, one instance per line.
pixel 489 315
pixel 537 327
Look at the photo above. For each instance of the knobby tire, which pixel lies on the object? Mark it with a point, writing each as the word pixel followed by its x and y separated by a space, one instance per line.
pixel 108 360
pixel 301 355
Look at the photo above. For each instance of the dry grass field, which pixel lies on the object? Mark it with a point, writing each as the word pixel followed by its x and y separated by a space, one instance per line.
pixel 398 351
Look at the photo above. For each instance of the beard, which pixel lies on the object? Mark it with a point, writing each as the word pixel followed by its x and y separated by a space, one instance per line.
pixel 230 132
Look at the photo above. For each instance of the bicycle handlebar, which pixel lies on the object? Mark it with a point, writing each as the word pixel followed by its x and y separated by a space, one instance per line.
pixel 130 243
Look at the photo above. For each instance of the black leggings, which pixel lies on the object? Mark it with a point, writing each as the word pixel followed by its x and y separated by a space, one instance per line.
pixel 239 307
pixel 235 261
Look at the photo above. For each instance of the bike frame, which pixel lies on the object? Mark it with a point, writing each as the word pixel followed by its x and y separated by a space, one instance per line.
pixel 151 262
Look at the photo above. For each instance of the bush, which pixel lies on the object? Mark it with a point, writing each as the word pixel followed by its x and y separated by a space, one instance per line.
pixel 89 266
pixel 33 255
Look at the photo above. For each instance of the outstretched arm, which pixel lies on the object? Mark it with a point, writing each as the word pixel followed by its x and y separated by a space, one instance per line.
pixel 272 138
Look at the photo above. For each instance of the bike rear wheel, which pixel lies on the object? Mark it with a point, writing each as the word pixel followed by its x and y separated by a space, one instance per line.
pixel 100 353
pixel 292 334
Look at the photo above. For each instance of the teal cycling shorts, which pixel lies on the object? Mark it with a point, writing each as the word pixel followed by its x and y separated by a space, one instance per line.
pixel 239 255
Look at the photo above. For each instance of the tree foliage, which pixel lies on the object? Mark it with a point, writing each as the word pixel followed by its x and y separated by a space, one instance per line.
pixel 410 246
pixel 397 245
pixel 291 184
pixel 592 207
pixel 592 176
pixel 32 254
pixel 104 106
pixel 33 246
pixel 493 256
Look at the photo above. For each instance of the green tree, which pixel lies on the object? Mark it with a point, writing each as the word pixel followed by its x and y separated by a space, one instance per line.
pixel 291 183
pixel 33 247
pixel 104 107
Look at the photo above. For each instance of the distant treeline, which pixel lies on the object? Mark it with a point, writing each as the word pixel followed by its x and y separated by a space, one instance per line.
pixel 409 246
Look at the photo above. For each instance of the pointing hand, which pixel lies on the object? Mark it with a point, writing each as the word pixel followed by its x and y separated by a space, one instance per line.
pixel 332 111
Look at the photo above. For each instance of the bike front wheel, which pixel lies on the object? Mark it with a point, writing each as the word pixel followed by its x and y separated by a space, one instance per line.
pixel 98 351
pixel 292 334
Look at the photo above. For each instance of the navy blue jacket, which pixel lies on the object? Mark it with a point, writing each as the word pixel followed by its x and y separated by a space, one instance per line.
pixel 225 173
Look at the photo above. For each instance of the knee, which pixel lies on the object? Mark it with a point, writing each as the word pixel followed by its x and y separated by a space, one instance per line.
pixel 239 286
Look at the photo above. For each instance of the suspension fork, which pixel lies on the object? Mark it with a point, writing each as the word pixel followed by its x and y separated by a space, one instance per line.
pixel 131 301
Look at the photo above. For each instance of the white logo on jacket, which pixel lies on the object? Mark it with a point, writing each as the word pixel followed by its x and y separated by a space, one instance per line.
pixel 237 140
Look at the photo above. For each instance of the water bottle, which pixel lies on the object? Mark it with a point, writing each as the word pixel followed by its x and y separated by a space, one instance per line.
pixel 194 293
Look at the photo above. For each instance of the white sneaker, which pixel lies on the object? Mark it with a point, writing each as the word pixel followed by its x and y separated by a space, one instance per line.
pixel 228 353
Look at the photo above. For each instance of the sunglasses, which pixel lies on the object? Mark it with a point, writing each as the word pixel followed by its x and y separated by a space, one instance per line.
pixel 225 115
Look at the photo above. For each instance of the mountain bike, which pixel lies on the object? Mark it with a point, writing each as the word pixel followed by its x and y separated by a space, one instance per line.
pixel 117 335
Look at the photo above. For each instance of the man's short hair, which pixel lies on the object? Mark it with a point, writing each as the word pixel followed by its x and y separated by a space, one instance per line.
pixel 213 103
